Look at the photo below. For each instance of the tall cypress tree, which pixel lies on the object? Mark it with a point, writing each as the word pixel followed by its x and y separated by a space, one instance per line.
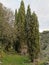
pixel 22 21
pixel 36 35
pixel 20 24
pixel 32 34
pixel 18 32
pixel 29 34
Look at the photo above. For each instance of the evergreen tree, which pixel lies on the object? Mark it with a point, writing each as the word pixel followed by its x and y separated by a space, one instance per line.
pixel 22 19
pixel 36 35
pixel 20 24
pixel 32 34
pixel 29 33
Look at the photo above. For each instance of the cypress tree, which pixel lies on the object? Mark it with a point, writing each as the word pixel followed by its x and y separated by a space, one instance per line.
pixel 22 21
pixel 36 35
pixel 29 34
pixel 20 24
pixel 32 34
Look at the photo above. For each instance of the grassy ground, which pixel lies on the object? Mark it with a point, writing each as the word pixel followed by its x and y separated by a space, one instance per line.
pixel 15 60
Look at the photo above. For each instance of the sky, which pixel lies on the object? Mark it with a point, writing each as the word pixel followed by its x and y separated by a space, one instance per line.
pixel 41 7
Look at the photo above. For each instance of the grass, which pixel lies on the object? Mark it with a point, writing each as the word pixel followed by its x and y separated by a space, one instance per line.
pixel 15 60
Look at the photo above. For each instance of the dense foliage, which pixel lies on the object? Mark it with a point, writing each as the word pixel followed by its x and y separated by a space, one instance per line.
pixel 7 34
pixel 28 31
pixel 24 34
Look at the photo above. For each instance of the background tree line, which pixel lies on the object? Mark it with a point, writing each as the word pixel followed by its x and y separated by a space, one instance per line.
pixel 19 32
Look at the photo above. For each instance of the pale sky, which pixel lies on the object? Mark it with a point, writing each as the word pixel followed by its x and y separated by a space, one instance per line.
pixel 41 7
